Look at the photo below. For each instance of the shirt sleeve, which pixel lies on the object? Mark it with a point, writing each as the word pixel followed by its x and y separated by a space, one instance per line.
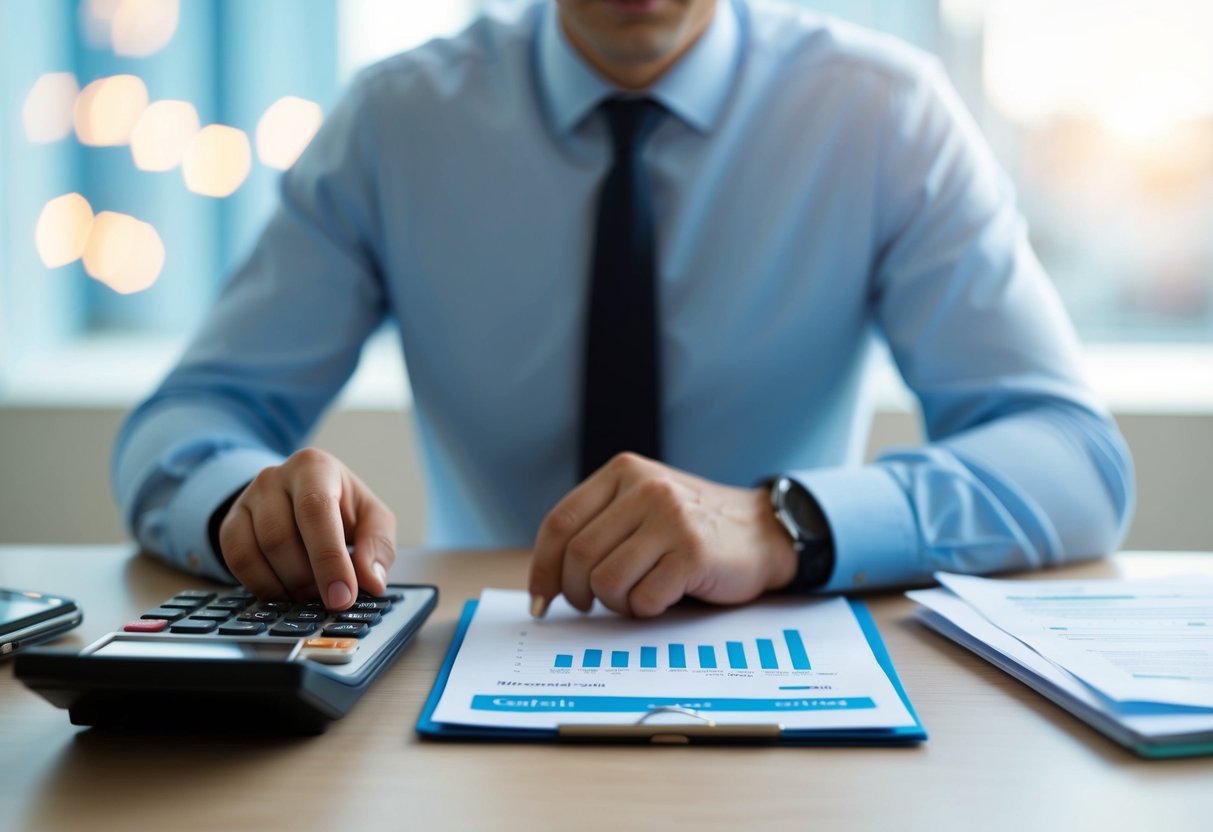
pixel 283 336
pixel 1023 467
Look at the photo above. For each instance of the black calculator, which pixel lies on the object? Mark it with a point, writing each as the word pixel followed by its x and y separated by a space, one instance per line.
pixel 225 660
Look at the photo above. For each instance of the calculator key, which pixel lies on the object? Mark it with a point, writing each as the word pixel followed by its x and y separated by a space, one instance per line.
pixel 387 596
pixel 212 615
pixel 371 618
pixel 274 606
pixel 369 605
pixel 201 594
pixel 192 626
pixel 346 630
pixel 151 625
pixel 228 604
pixel 304 615
pixel 165 613
pixel 312 606
pixel 293 628
pixel 241 628
pixel 264 616
pixel 182 603
pixel 329 650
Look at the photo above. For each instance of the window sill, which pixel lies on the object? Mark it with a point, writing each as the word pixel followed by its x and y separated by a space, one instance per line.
pixel 118 372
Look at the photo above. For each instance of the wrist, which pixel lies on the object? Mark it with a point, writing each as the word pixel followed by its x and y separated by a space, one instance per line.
pixel 796 511
pixel 777 548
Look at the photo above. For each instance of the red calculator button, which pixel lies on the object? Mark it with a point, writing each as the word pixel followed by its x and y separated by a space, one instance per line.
pixel 146 625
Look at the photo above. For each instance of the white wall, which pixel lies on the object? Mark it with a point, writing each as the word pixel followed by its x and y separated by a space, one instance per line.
pixel 54 484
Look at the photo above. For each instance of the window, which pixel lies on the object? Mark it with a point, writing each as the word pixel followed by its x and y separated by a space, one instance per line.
pixel 140 142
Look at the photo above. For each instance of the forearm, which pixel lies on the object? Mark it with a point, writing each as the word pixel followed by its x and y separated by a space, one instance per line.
pixel 175 461
pixel 1036 487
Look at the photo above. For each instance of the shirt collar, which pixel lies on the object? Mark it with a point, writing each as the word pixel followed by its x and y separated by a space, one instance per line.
pixel 695 89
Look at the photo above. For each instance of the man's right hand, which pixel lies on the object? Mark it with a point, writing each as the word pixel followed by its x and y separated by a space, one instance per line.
pixel 287 534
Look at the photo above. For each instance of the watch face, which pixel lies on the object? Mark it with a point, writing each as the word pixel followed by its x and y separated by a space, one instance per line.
pixel 803 511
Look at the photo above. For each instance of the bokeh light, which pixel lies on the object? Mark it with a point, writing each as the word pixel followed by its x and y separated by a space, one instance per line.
pixel 285 130
pixel 162 134
pixel 108 109
pixel 217 161
pixel 140 28
pixel 123 253
pixel 63 229
pixel 47 114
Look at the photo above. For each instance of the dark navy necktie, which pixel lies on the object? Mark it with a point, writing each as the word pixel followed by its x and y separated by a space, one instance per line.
pixel 621 393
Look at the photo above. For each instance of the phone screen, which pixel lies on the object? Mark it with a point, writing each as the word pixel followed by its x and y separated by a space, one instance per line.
pixel 26 607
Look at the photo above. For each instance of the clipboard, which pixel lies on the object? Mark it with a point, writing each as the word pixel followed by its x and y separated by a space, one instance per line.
pixel 693 728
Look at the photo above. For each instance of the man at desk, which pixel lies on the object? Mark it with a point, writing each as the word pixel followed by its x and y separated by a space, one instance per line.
pixel 639 252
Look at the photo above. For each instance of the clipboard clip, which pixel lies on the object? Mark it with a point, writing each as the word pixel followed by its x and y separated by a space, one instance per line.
pixel 706 730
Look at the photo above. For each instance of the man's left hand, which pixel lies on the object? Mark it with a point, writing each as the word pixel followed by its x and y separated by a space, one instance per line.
pixel 639 536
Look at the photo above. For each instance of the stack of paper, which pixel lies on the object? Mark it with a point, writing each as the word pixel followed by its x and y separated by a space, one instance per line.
pixel 1134 659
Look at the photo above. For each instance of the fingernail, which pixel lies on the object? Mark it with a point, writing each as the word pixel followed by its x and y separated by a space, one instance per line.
pixel 539 606
pixel 379 571
pixel 339 596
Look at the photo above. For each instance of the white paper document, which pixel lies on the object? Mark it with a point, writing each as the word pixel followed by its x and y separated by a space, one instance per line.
pixel 803 665
pixel 1148 641
pixel 1130 724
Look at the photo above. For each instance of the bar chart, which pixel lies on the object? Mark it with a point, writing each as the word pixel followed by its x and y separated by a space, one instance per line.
pixel 787 652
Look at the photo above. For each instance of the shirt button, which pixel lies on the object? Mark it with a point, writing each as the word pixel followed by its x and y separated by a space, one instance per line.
pixel 860 577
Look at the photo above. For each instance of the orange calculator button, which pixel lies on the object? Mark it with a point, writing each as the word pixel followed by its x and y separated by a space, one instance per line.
pixel 331 643
pixel 329 650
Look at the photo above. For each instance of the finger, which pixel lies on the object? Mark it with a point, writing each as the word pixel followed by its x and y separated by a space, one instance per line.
pixel 238 545
pixel 374 543
pixel 279 541
pixel 612 580
pixel 586 551
pixel 316 496
pixel 563 522
pixel 664 585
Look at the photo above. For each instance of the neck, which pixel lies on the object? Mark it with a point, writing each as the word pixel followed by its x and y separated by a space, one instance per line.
pixel 640 75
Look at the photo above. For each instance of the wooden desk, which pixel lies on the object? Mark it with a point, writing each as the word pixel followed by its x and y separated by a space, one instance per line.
pixel 999 756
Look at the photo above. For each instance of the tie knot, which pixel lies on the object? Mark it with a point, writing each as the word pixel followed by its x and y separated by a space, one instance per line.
pixel 632 121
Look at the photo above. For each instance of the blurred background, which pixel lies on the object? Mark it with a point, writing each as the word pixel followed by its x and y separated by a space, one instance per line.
pixel 141 141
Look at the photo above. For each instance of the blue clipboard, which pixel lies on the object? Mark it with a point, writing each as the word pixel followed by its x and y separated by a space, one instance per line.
pixel 666 733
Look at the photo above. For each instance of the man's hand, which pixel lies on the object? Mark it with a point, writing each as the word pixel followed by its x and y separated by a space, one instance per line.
pixel 638 536
pixel 287 535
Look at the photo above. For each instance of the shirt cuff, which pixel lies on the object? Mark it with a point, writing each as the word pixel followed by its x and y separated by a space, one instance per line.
pixel 189 512
pixel 872 524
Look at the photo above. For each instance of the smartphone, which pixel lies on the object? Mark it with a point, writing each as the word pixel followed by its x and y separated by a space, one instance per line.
pixel 30 617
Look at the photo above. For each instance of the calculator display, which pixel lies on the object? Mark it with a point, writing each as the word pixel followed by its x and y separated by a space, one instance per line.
pixel 186 649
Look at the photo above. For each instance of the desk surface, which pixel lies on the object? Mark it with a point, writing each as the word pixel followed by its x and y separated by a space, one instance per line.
pixel 999 757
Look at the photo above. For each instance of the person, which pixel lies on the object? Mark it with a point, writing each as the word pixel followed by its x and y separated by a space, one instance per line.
pixel 791 192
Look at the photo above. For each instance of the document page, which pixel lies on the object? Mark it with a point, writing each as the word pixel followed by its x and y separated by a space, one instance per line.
pixel 1046 676
pixel 1134 641
pixel 801 664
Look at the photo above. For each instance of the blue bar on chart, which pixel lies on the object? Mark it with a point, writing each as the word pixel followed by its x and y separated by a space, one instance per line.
pixel 592 658
pixel 766 654
pixel 648 656
pixel 619 658
pixel 564 660
pixel 678 655
pixel 736 655
pixel 800 659
pixel 707 657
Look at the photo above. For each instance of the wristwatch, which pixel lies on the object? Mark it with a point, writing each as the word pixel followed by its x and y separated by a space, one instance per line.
pixel 798 512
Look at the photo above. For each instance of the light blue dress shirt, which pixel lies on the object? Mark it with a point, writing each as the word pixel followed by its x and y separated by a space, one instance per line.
pixel 818 188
